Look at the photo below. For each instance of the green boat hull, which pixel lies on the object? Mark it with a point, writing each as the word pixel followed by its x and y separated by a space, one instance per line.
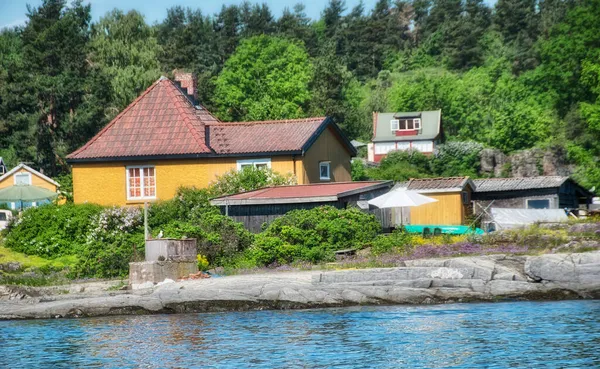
pixel 444 229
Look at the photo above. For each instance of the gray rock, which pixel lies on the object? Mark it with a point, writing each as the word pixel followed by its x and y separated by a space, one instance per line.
pixel 485 278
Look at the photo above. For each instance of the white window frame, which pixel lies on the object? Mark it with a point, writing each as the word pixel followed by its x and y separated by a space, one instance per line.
pixel 416 122
pixel 383 148
pixel 326 164
pixel 253 162
pixel 142 185
pixel 548 199
pixel 395 124
pixel 22 173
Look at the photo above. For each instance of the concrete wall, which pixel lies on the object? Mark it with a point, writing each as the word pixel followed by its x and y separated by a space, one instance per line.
pixel 171 250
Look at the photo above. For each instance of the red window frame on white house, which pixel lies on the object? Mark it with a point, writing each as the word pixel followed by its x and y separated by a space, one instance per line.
pixel 141 182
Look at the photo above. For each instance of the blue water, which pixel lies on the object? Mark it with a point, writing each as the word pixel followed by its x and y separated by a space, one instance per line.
pixel 499 335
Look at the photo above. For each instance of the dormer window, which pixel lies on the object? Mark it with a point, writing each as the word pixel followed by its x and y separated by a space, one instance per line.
pixel 406 124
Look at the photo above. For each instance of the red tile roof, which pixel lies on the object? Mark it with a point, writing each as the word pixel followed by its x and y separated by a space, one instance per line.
pixel 301 193
pixel 161 121
pixel 265 136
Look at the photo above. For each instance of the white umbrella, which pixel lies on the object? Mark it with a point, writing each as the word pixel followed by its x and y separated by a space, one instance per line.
pixel 400 198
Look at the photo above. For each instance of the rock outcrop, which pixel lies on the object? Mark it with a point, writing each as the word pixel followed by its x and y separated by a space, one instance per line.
pixel 484 278
pixel 526 163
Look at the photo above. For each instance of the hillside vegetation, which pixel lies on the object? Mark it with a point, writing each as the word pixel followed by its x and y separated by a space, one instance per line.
pixel 523 74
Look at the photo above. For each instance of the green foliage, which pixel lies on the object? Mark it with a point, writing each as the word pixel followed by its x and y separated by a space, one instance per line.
pixel 312 235
pixel 66 187
pixel 396 241
pixel 457 159
pixel 190 215
pixel 52 231
pixel 401 166
pixel 248 179
pixel 266 78
pixel 358 170
pixel 126 50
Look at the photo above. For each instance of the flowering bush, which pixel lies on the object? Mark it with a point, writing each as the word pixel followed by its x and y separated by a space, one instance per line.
pixel 52 231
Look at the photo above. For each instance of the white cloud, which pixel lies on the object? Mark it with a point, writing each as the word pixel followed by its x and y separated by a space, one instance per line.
pixel 17 22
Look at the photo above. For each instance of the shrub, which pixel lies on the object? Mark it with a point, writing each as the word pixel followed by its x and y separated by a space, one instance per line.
pixel 457 159
pixel 190 215
pixel 52 231
pixel 113 241
pixel 248 179
pixel 395 241
pixel 401 166
pixel 202 262
pixel 313 235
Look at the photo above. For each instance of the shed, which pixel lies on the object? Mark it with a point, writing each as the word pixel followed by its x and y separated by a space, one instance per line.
pixel 544 192
pixel 454 200
pixel 254 208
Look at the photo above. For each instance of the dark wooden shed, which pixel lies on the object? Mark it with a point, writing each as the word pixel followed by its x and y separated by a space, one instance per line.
pixel 545 192
pixel 255 208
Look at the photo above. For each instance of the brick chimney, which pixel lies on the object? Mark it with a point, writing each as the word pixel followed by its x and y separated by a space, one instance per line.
pixel 188 82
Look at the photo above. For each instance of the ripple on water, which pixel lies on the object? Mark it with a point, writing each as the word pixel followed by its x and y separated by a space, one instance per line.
pixel 562 334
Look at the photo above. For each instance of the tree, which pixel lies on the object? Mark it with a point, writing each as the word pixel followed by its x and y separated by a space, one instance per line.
pixel 54 56
pixel 266 78
pixel 126 49
pixel 297 25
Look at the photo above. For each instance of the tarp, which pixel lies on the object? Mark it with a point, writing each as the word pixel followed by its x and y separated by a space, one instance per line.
pixel 516 218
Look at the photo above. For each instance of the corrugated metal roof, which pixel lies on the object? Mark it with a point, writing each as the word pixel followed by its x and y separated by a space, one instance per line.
pixel 515 184
pixel 320 192
pixel 447 184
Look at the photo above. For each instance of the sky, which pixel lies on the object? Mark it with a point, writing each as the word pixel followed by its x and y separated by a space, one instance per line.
pixel 13 12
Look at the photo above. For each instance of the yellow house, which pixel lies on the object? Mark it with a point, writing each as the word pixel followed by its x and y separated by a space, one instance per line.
pixel 165 139
pixel 25 175
pixel 454 200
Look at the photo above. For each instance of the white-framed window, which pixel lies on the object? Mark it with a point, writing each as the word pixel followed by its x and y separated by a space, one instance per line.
pixel 23 178
pixel 325 171
pixel 423 146
pixel 141 182
pixel 382 148
pixel 256 163
pixel 403 145
pixel 538 203
pixel 406 124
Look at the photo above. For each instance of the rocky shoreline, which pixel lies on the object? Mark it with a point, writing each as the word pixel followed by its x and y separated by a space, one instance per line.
pixel 426 281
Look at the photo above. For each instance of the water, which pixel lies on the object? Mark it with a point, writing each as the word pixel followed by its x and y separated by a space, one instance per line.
pixel 500 335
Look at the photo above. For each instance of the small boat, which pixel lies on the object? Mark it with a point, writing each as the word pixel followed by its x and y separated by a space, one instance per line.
pixel 435 229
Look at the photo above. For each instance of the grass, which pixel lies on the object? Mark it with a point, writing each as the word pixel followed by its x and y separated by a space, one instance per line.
pixel 35 262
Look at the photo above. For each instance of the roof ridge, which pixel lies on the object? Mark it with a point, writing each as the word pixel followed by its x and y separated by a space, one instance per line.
pixel 296 120
pixel 438 178
pixel 518 178
pixel 186 119
pixel 115 119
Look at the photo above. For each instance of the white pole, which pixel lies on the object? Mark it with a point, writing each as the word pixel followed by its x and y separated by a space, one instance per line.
pixel 145 221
